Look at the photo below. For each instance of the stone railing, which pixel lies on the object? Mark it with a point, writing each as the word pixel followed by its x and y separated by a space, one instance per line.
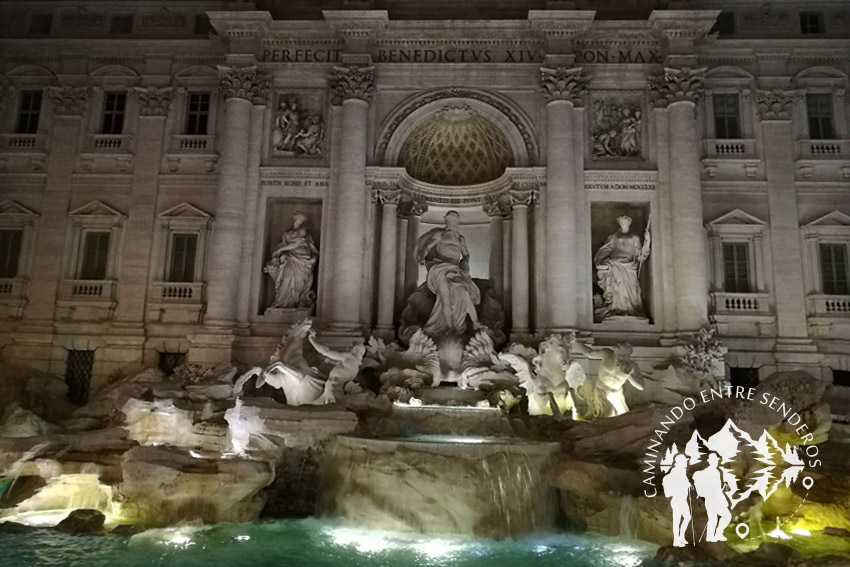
pixel 740 303
pixel 109 143
pixel 729 149
pixel 87 290
pixel 12 288
pixel 187 144
pixel 823 149
pixel 23 142
pixel 178 292
pixel 829 305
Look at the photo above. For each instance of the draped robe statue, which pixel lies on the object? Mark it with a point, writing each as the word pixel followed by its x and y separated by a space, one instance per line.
pixel 444 253
pixel 291 267
pixel 618 264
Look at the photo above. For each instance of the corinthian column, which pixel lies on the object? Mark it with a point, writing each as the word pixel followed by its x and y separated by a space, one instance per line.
pixel 241 89
pixel 352 87
pixel 388 199
pixel 679 90
pixel 563 89
pixel 413 210
pixel 520 200
pixel 497 210
pixel 775 112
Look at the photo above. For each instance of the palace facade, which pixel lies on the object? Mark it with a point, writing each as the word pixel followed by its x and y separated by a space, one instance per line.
pixel 153 156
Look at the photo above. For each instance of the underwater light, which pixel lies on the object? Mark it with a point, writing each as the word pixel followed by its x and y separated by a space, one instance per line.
pixel 243 538
pixel 777 533
pixel 362 542
pixel 437 548
pixel 801 531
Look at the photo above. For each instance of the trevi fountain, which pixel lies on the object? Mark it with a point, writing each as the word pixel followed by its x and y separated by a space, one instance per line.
pixel 417 282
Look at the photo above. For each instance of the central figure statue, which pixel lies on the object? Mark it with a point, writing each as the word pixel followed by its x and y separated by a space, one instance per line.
pixel 443 252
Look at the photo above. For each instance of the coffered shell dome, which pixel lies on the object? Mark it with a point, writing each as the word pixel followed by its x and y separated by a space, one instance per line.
pixel 456 146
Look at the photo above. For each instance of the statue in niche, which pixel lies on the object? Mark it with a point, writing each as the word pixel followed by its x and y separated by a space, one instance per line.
pixel 297 131
pixel 616 129
pixel 291 267
pixel 444 253
pixel 618 265
pixel 604 394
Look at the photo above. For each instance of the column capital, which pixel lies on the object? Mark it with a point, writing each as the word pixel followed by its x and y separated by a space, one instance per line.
pixel 561 83
pixel 386 195
pixel 67 100
pixel 775 105
pixel 246 83
pixel 523 197
pixel 677 84
pixel 354 81
pixel 412 208
pixel 153 101
pixel 498 207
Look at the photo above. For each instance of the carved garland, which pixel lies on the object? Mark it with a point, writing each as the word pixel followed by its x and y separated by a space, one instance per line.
pixel 68 101
pixel 775 104
pixel 457 92
pixel 153 101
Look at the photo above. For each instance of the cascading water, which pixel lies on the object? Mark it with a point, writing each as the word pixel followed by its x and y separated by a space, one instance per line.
pixel 490 487
pixel 628 517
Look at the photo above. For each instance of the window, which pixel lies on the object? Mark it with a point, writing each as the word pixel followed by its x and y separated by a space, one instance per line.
pixel 811 23
pixel 78 369
pixel 726 119
pixel 168 361
pixel 833 265
pixel 197 114
pixel 121 24
pixel 841 378
pixel 40 24
pixel 736 275
pixel 113 113
pixel 725 23
pixel 10 252
pixel 181 266
pixel 819 109
pixel 202 24
pixel 746 377
pixel 94 256
pixel 29 112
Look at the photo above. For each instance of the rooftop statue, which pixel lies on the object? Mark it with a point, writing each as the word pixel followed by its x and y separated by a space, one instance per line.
pixel 618 263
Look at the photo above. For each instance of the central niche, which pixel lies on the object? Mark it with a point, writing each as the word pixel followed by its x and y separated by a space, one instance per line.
pixel 456 146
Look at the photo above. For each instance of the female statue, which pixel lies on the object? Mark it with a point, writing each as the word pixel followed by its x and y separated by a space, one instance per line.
pixel 291 267
pixel 618 264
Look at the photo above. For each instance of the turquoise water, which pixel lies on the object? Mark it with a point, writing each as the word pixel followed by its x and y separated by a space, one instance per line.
pixel 310 543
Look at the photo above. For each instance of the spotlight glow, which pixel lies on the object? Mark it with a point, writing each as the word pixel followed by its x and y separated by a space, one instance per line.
pixel 801 531
pixel 777 533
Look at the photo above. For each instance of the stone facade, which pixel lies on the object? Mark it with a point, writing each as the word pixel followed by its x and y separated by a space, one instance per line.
pixel 732 148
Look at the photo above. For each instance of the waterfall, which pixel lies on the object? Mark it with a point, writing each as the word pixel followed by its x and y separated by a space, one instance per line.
pixel 493 487
pixel 627 519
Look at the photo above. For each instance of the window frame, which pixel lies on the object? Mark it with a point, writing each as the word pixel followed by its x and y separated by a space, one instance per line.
pixel 738 226
pixel 189 113
pixel 94 216
pixel 38 112
pixel 169 268
pixel 818 18
pixel 822 272
pixel 113 114
pixel 183 218
pixel 736 280
pixel 717 95
pixel 82 254
pixel 14 216
pixel 830 98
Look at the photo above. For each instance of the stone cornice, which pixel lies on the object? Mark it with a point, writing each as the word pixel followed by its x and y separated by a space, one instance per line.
pixel 690 25
pixel 240 25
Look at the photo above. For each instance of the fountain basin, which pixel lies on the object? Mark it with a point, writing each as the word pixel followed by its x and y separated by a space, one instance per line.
pixel 494 487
